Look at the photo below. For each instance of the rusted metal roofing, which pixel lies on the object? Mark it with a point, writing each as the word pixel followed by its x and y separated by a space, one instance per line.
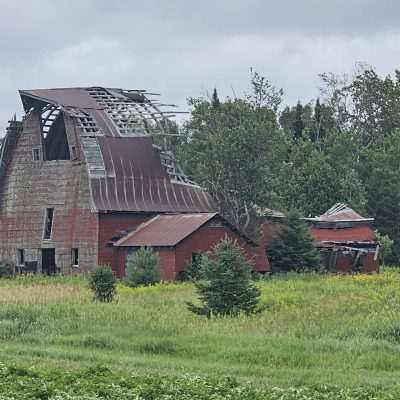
pixel 135 180
pixel 66 97
pixel 126 170
pixel 341 212
pixel 355 234
pixel 165 230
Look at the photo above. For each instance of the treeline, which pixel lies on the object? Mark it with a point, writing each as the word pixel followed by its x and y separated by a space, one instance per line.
pixel 251 152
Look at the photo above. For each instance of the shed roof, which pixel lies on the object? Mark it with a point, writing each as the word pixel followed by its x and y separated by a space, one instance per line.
pixel 165 230
pixel 127 171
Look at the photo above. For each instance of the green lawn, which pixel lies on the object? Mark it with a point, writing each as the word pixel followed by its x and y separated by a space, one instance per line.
pixel 336 330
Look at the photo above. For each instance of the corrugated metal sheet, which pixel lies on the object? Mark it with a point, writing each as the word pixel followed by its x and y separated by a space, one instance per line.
pixel 341 212
pixel 165 230
pixel 67 97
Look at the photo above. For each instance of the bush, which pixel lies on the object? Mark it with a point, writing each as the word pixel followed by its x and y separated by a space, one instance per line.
pixel 143 268
pixel 227 289
pixel 7 270
pixel 386 248
pixel 102 282
pixel 193 272
pixel 293 249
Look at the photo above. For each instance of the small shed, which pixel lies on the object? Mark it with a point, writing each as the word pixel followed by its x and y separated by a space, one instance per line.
pixel 346 240
pixel 181 239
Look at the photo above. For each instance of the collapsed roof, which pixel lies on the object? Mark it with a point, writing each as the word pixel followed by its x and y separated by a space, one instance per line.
pixel 116 128
pixel 341 212
pixel 339 215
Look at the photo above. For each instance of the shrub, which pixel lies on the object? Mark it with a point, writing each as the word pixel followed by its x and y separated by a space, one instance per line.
pixel 102 282
pixel 227 289
pixel 143 268
pixel 293 249
pixel 7 270
pixel 193 272
pixel 386 248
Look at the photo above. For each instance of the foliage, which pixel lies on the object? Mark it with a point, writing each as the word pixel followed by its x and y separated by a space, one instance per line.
pixel 143 268
pixel 379 168
pixel 312 181
pixel 7 269
pixel 195 270
pixel 102 383
pixel 227 290
pixel 232 149
pixel 293 249
pixel 385 248
pixel 102 282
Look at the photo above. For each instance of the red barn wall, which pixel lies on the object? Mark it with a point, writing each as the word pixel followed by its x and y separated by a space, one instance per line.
pixel 112 225
pixel 30 186
pixel 174 260
pixel 167 262
pixel 205 238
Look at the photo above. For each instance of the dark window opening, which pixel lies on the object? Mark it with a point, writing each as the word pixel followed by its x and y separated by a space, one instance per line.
pixel 75 257
pixel 54 134
pixel 196 260
pixel 20 257
pixel 48 224
pixel 36 154
pixel 74 154
pixel 49 261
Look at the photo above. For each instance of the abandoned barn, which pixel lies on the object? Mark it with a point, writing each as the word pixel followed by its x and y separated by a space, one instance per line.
pixel 345 239
pixel 83 183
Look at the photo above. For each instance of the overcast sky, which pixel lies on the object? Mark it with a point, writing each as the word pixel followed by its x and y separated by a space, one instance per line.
pixel 184 48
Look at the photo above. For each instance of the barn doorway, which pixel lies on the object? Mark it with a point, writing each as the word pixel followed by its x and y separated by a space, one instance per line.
pixel 49 261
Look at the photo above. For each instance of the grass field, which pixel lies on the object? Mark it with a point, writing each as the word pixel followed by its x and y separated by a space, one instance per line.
pixel 335 330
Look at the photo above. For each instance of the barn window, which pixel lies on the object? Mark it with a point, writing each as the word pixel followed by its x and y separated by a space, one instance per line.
pixel 36 154
pixel 54 134
pixel 75 257
pixel 48 224
pixel 20 257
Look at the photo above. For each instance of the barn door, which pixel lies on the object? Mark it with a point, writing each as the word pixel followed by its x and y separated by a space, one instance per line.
pixel 48 261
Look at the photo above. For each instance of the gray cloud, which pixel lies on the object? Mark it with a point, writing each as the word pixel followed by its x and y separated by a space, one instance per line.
pixel 184 48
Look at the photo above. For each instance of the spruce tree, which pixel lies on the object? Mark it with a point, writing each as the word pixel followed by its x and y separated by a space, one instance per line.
pixel 215 99
pixel 298 124
pixel 227 289
pixel 143 268
pixel 293 249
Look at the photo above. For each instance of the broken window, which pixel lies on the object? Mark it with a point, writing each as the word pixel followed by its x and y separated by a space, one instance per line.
pixel 75 257
pixel 20 257
pixel 36 154
pixel 54 134
pixel 48 224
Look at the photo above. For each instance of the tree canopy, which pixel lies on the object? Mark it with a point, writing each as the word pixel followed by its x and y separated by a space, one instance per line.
pixel 253 152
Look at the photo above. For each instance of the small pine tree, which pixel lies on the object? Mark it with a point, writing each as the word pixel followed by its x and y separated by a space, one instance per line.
pixel 298 124
pixel 215 99
pixel 143 268
pixel 227 289
pixel 102 281
pixel 293 249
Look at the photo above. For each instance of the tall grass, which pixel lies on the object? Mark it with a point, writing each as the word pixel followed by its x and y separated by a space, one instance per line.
pixel 343 330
